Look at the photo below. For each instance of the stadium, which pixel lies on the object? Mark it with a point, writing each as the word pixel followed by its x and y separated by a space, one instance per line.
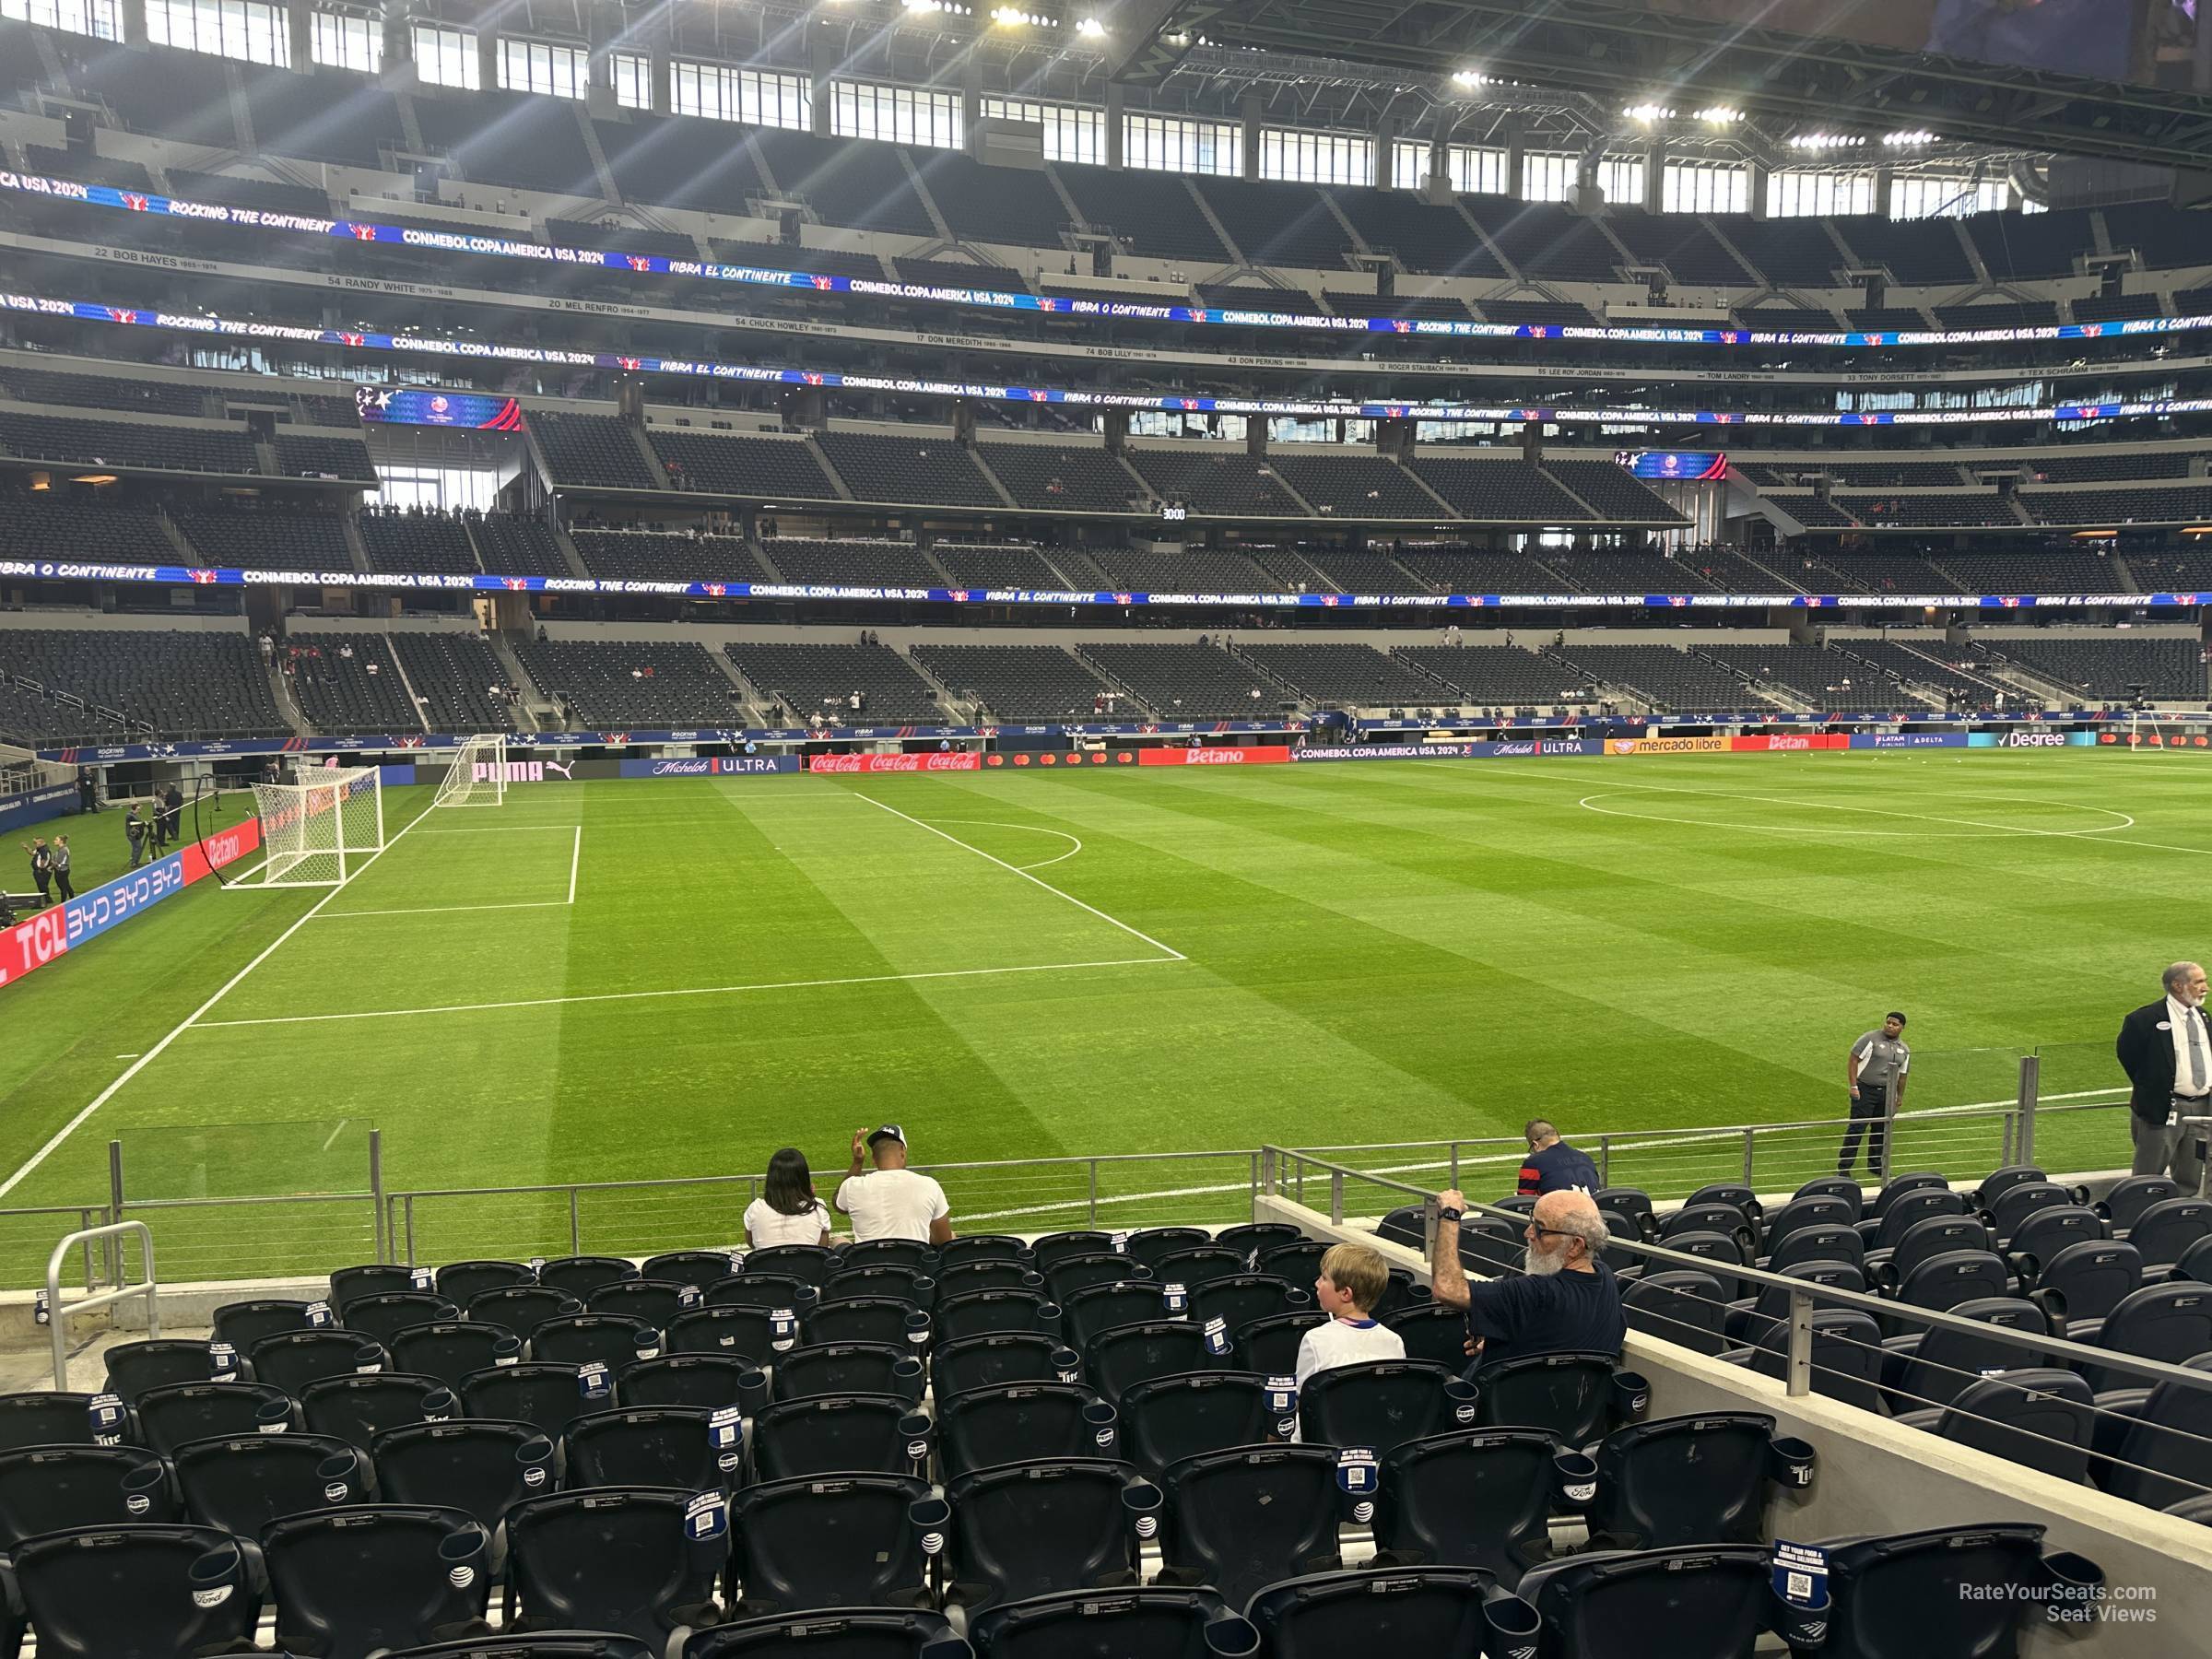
pixel 846 829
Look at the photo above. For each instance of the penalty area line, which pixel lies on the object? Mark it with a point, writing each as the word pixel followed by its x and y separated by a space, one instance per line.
pixel 613 996
pixel 1037 880
pixel 230 984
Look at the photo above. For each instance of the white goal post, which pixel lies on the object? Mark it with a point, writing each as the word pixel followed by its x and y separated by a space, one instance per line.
pixel 320 827
pixel 478 776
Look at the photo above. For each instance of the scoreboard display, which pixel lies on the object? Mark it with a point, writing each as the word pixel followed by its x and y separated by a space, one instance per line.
pixel 1684 467
pixel 416 405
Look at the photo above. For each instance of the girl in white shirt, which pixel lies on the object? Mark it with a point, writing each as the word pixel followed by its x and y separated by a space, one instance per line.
pixel 787 1212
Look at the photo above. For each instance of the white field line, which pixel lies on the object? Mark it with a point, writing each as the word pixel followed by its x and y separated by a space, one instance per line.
pixel 452 910
pixel 1034 828
pixel 1486 1160
pixel 501 829
pixel 2105 836
pixel 1170 950
pixel 140 1064
pixel 575 865
pixel 608 996
pixel 336 1133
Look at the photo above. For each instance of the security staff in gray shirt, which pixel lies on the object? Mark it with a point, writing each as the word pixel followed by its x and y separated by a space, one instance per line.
pixel 1875 1072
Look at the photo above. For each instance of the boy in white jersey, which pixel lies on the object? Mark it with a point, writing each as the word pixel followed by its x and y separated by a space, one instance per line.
pixel 1352 1281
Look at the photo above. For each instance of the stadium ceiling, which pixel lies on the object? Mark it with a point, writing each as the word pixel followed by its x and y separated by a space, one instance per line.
pixel 1621 55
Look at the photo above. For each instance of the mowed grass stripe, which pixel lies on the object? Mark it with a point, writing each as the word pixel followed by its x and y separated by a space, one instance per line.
pixel 1379 952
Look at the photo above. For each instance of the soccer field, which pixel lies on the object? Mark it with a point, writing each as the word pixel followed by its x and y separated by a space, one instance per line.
pixel 611 981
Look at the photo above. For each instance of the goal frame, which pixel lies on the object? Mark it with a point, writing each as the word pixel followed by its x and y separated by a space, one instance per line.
pixel 332 822
pixel 462 787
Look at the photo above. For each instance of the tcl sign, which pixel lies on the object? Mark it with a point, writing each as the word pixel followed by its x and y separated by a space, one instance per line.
pixel 33 944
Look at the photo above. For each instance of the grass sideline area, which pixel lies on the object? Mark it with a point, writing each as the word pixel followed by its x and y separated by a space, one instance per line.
pixel 639 980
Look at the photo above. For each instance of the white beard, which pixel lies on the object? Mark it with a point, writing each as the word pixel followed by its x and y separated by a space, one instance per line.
pixel 1541 1263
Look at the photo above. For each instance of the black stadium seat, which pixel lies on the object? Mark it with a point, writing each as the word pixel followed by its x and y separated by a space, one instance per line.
pixel 1117 1358
pixel 621 1559
pixel 482 1466
pixel 748 1333
pixel 352 1582
pixel 832 1633
pixel 1945 1590
pixel 134 1367
pixel 1704 1479
pixel 843 1541
pixel 1718 1596
pixel 1022 1422
pixel 1577 1396
pixel 840 1368
pixel 151 1589
pixel 357 1409
pixel 1160 1621
pixel 1029 1529
pixel 683 1448
pixel 452 1350
pixel 1378 1404
pixel 705 1380
pixel 2038 1418
pixel 545 1396
pixel 244 1483
pixel 1169 1418
pixel 1242 1519
pixel 854 1434
pixel 47 1489
pixel 1468 1498
pixel 381 1317
pixel 293 1359
pixel 47 1419
pixel 1416 1610
pixel 169 1417
pixel 999 1357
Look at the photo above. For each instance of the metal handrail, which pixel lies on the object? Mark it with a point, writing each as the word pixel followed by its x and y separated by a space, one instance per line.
pixel 58 1316
pixel 1802 1296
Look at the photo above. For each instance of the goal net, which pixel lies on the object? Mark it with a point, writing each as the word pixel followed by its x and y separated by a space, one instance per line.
pixel 319 830
pixel 478 776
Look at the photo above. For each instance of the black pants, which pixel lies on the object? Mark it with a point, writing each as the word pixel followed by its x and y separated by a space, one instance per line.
pixel 1869 1116
pixel 60 884
pixel 44 883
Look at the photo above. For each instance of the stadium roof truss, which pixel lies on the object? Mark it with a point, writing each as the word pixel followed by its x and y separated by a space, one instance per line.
pixel 1618 53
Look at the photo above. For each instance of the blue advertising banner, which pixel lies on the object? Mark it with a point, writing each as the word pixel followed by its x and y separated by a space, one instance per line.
pixel 712 765
pixel 1453 751
pixel 1900 740
pixel 36 806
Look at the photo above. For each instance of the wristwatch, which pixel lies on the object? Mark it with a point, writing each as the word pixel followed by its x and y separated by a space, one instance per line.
pixel 1448 1214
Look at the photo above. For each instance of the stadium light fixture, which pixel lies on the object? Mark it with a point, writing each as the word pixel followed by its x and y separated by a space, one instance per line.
pixel 1719 115
pixel 1090 27
pixel 1821 141
pixel 1648 113
pixel 1901 140
pixel 1469 80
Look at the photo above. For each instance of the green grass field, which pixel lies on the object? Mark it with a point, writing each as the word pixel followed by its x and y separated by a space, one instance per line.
pixel 639 981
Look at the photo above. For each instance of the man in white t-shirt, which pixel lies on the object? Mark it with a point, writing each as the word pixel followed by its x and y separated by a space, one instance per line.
pixel 890 1201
